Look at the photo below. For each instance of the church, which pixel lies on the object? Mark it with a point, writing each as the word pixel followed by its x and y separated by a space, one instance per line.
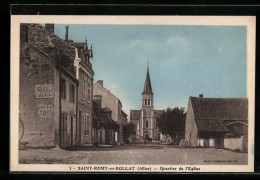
pixel 145 119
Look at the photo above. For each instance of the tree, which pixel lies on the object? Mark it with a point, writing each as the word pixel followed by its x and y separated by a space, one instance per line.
pixel 172 122
pixel 128 130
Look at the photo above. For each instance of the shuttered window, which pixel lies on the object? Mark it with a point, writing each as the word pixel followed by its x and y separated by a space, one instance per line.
pixel 86 124
pixel 72 93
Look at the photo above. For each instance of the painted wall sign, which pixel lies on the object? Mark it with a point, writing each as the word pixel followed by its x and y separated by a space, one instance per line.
pixel 45 110
pixel 44 91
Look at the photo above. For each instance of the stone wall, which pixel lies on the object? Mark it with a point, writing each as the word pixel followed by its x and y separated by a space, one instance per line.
pixel 36 97
pixel 233 143
pixel 190 126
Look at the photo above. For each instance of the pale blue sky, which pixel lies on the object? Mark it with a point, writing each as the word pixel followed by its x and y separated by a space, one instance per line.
pixel 184 60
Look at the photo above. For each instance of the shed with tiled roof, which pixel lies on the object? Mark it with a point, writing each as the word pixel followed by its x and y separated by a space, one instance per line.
pixel 215 118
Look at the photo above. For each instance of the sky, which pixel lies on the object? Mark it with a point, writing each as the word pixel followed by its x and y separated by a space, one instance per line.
pixel 183 60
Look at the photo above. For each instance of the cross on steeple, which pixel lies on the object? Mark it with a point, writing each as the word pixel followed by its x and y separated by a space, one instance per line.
pixel 147 65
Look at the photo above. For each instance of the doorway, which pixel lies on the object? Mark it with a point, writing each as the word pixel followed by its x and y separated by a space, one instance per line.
pixel 100 141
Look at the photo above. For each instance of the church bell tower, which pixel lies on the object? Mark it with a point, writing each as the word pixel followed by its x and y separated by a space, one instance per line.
pixel 147 115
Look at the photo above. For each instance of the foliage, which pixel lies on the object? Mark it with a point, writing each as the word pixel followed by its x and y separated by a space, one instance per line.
pixel 172 121
pixel 128 130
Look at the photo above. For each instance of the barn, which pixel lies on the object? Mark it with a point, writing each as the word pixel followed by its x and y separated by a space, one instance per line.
pixel 217 122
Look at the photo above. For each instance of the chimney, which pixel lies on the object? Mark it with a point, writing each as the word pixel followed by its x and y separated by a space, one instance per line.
pixel 23 33
pixel 98 99
pixel 50 28
pixel 201 95
pixel 67 33
pixel 100 82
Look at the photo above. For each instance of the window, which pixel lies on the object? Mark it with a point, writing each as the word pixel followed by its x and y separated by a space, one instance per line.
pixel 86 124
pixel 83 87
pixel 63 88
pixel 148 102
pixel 146 124
pixel 89 87
pixel 72 93
pixel 145 102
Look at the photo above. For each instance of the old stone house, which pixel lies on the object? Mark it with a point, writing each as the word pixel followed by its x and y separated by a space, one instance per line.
pixel 106 99
pixel 145 120
pixel 47 89
pixel 58 75
pixel 84 74
pixel 217 122
pixel 104 126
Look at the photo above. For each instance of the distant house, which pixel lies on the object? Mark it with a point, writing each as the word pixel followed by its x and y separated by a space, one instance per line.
pixel 106 99
pixel 104 126
pixel 217 122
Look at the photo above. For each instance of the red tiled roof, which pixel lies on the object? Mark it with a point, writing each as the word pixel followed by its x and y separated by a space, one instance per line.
pixel 101 117
pixel 213 114
pixel 211 125
pixel 220 108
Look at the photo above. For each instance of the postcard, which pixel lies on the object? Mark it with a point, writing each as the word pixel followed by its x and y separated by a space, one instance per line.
pixel 132 94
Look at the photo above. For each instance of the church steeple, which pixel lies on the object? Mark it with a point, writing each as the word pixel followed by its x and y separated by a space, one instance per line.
pixel 147 95
pixel 147 84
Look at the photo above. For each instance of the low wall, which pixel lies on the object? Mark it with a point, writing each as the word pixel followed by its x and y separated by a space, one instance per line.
pixel 233 143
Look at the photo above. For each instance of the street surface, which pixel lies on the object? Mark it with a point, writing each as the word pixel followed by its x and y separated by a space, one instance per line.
pixel 133 154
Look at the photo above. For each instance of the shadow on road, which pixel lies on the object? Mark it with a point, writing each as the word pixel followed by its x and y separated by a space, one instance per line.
pixel 117 148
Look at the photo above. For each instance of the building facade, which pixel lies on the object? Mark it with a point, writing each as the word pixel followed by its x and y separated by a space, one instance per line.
pixel 145 119
pixel 217 122
pixel 58 75
pixel 104 126
pixel 47 89
pixel 84 74
pixel 106 99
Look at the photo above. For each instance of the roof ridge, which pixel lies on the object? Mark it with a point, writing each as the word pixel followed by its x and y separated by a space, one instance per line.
pixel 109 92
pixel 215 98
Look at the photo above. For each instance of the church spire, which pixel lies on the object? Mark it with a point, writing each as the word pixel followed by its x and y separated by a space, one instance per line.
pixel 147 84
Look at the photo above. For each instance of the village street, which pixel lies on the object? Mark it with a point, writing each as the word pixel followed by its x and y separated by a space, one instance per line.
pixel 133 154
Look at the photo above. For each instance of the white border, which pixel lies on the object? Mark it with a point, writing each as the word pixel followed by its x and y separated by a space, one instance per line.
pixel 249 21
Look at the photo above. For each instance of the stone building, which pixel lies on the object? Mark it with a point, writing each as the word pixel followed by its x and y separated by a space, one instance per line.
pixel 124 123
pixel 106 99
pixel 51 88
pixel 104 126
pixel 84 74
pixel 217 122
pixel 47 89
pixel 145 119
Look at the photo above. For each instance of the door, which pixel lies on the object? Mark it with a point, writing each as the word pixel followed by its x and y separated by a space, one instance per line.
pixel 64 130
pixel 106 137
pixel 100 137
pixel 71 131
pixel 79 129
pixel 146 137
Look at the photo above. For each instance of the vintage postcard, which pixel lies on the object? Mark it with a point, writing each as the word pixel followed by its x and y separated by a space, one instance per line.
pixel 132 93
